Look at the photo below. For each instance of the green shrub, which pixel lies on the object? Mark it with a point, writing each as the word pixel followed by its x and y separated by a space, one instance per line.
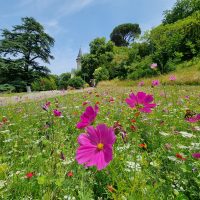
pixel 6 88
pixel 76 82
pixel 141 69
pixel 20 86
pixel 101 74
pixel 63 80
pixel 44 84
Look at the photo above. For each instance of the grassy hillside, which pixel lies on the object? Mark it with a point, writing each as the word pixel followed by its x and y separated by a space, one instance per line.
pixel 187 73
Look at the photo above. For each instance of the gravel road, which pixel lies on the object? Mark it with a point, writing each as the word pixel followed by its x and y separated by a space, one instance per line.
pixel 35 96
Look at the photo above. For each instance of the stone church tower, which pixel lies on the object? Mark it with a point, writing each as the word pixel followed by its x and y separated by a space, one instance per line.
pixel 78 59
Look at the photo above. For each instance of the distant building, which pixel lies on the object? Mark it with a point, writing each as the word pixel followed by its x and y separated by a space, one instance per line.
pixel 78 63
pixel 78 59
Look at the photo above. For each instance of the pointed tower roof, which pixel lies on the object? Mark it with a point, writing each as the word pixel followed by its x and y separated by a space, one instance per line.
pixel 79 53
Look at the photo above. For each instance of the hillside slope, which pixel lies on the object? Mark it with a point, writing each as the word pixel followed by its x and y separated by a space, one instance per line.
pixel 187 73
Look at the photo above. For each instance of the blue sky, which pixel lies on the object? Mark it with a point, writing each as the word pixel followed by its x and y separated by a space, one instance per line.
pixel 74 23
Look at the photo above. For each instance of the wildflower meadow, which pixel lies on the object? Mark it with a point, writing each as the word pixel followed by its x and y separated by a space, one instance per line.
pixel 138 142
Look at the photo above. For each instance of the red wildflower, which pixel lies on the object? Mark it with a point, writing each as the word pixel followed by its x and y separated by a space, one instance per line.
pixel 29 175
pixel 144 146
pixel 178 155
pixel 133 120
pixel 85 103
pixel 70 174
pixel 133 128
pixel 137 114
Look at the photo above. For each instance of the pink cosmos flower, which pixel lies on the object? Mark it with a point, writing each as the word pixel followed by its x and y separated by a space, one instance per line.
pixel 172 78
pixel 187 97
pixel 56 113
pixel 88 117
pixel 46 106
pixel 141 101
pixel 141 83
pixel 194 119
pixel 155 83
pixel 96 146
pixel 111 100
pixel 154 65
pixel 196 155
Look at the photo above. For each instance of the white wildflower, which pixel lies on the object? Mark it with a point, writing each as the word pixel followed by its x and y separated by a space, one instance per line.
pixel 186 134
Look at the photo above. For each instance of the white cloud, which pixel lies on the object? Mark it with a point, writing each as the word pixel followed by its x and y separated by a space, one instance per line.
pixel 60 7
pixel 72 7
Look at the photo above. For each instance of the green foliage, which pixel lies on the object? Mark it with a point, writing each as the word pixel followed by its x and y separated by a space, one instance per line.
pixel 101 54
pixel 22 47
pixel 76 82
pixel 141 69
pixel 100 74
pixel 7 88
pixel 20 85
pixel 44 84
pixel 180 39
pixel 55 78
pixel 181 10
pixel 124 34
pixel 63 80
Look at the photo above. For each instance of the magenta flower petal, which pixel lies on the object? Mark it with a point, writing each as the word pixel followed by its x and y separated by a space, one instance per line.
pixel 148 98
pixel 57 113
pixel 83 139
pixel 130 102
pixel 194 119
pixel 150 105
pixel 85 153
pixel 196 155
pixel 96 146
pixel 140 97
pixel 141 101
pixel 88 117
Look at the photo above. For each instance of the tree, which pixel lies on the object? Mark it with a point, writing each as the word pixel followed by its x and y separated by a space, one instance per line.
pixel 23 47
pixel 181 10
pixel 63 80
pixel 123 34
pixel 101 54
pixel 176 42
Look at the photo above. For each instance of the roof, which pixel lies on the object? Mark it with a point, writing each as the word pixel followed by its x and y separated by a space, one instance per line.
pixel 79 53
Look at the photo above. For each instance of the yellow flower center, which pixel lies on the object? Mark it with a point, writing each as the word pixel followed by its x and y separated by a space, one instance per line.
pixel 100 146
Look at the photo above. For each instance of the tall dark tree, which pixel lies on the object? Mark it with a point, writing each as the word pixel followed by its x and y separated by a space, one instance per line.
pixel 124 34
pixel 23 47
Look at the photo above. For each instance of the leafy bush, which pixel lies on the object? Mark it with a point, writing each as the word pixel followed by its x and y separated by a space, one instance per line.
pixel 178 41
pixel 63 80
pixel 44 84
pixel 6 88
pixel 20 86
pixel 101 74
pixel 141 69
pixel 76 82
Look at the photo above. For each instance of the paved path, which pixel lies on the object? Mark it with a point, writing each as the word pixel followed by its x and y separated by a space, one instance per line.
pixel 37 96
